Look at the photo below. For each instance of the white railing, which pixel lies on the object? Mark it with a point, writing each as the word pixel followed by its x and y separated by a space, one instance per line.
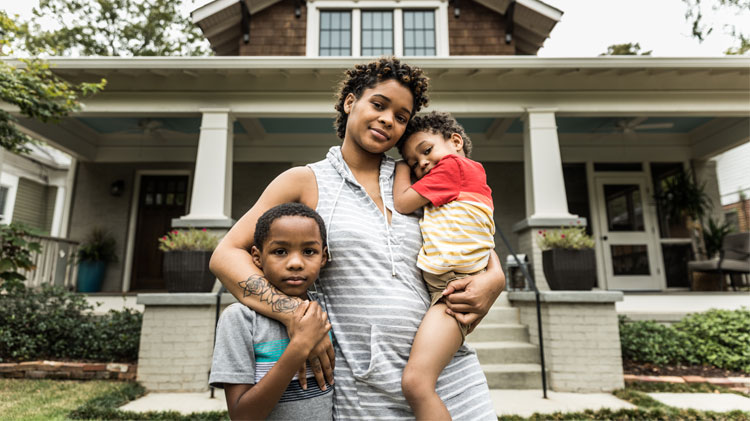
pixel 54 264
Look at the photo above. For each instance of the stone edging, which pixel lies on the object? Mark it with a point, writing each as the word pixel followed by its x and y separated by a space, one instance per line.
pixel 68 370
pixel 741 384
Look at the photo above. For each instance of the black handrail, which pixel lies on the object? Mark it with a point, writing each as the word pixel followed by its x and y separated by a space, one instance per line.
pixel 531 282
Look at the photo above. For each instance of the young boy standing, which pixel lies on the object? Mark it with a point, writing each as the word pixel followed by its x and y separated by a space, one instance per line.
pixel 254 360
pixel 458 234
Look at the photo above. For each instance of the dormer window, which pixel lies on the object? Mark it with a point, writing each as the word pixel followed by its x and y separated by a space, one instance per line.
pixel 376 28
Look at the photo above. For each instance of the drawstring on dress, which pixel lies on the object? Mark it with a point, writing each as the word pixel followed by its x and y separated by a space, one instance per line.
pixel 330 219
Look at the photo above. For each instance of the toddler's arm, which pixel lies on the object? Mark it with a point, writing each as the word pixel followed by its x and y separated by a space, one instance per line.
pixel 405 199
pixel 247 401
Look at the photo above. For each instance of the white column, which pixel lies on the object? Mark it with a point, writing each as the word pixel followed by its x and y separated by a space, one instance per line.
pixel 545 187
pixel 211 200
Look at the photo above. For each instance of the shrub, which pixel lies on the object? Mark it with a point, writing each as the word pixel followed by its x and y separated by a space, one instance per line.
pixel 191 239
pixel 717 337
pixel 574 238
pixel 53 323
pixel 15 254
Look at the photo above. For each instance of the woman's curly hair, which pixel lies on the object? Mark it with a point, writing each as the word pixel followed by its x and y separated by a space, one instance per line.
pixel 365 76
pixel 437 123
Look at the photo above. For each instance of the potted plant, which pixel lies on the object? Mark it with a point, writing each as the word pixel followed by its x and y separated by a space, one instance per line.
pixel 93 256
pixel 683 201
pixel 186 256
pixel 568 258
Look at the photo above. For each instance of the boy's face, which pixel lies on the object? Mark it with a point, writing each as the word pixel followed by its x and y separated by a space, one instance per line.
pixel 423 150
pixel 292 254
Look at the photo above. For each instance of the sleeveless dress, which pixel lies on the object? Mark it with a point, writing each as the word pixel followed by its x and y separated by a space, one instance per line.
pixel 376 298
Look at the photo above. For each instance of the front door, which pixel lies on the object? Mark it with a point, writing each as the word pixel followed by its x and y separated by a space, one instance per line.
pixel 628 234
pixel 161 199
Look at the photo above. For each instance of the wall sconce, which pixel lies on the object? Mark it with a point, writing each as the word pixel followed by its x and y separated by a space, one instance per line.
pixel 117 187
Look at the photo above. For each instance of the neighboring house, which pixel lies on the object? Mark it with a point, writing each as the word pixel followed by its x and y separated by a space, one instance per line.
pixel 34 189
pixel 194 141
pixel 733 168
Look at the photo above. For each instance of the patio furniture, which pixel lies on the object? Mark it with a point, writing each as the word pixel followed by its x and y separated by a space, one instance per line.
pixel 733 260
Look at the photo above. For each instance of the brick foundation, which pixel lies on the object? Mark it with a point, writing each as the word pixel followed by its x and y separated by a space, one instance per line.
pixel 68 370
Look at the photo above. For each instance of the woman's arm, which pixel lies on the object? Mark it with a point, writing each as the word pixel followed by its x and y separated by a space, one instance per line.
pixel 246 401
pixel 469 299
pixel 405 199
pixel 232 264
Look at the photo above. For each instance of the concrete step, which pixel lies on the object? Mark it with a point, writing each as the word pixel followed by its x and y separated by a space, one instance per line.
pixel 487 332
pixel 506 352
pixel 513 376
pixel 502 314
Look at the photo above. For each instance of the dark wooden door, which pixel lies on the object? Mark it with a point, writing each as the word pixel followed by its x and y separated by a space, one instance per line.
pixel 161 199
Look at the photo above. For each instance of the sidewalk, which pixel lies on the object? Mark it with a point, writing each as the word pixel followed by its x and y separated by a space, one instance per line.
pixel 507 402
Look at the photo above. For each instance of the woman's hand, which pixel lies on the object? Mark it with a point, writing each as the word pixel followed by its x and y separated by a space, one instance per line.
pixel 469 299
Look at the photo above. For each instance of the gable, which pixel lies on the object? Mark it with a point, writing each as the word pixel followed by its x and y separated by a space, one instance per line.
pixel 528 21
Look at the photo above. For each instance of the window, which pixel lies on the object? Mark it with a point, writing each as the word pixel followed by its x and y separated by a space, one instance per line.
pixel 419 33
pixel 377 33
pixel 3 198
pixel 335 33
pixel 374 28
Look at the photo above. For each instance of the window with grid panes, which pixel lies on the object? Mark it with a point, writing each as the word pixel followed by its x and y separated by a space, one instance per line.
pixel 335 33
pixel 419 33
pixel 377 32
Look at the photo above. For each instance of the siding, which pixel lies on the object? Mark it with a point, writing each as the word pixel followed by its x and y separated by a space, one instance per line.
pixel 276 32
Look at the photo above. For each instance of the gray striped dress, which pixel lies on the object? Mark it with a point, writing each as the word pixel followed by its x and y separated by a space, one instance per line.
pixel 375 298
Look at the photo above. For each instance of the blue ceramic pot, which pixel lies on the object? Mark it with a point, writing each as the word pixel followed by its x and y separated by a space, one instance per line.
pixel 90 276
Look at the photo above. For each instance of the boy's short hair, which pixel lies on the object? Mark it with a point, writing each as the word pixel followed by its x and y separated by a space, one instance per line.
pixel 365 76
pixel 437 123
pixel 263 226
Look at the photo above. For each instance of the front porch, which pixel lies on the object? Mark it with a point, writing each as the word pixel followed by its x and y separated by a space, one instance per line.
pixel 195 141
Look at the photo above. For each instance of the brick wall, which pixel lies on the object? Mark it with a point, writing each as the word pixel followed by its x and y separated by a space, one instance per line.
pixel 275 31
pixel 581 341
pixel 479 31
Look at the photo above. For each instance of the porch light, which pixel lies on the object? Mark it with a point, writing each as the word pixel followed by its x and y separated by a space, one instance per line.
pixel 117 187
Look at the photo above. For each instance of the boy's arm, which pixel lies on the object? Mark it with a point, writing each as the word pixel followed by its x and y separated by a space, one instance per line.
pixel 405 199
pixel 232 264
pixel 246 401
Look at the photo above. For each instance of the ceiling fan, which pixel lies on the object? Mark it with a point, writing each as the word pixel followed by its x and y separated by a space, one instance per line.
pixel 633 124
pixel 148 127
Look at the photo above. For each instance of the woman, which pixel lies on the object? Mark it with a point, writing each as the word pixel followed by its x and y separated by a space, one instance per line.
pixel 372 289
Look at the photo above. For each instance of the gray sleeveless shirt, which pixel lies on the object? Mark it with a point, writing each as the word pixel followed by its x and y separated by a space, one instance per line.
pixel 375 298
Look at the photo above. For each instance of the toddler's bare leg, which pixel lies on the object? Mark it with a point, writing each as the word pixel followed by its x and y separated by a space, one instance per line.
pixel 437 340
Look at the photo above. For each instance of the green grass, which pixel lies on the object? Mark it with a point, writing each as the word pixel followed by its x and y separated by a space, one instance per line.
pixel 22 399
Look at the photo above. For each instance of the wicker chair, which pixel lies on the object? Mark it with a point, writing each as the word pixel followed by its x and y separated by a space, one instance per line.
pixel 733 260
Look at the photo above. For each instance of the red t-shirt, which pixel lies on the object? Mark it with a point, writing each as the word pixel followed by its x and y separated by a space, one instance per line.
pixel 455 178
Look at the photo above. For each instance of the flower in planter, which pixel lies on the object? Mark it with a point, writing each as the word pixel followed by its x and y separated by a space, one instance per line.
pixel 191 239
pixel 570 238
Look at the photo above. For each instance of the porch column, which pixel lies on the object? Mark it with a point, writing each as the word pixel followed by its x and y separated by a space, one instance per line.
pixel 211 200
pixel 546 202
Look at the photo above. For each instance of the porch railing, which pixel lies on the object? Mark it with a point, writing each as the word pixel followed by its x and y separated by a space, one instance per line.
pixel 54 264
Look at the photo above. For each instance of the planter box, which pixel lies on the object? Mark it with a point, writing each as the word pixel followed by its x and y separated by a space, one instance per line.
pixel 187 271
pixel 569 269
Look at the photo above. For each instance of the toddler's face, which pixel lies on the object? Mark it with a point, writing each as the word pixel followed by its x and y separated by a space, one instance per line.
pixel 423 150
pixel 292 254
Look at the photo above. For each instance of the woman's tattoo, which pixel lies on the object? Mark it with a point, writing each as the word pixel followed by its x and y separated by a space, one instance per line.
pixel 258 285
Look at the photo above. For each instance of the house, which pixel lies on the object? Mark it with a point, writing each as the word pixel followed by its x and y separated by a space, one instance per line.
pixel 733 168
pixel 192 141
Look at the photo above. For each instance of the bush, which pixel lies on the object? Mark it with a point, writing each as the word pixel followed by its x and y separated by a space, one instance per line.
pixel 718 337
pixel 53 323
pixel 570 238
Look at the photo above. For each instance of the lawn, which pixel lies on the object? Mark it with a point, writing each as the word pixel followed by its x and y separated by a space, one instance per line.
pixel 22 399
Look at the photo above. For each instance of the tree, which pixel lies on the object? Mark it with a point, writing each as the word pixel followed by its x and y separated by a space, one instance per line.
pixel 702 16
pixel 113 28
pixel 628 49
pixel 31 86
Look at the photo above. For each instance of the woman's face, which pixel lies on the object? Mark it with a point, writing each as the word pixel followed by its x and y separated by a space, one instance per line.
pixel 378 118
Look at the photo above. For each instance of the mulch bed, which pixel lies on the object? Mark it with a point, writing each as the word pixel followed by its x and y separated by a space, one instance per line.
pixel 648 369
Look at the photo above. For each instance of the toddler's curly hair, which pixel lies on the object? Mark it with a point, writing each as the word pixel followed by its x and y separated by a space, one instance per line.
pixel 365 76
pixel 436 123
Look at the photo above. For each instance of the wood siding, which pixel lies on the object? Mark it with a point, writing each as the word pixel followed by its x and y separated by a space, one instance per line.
pixel 478 32
pixel 275 31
